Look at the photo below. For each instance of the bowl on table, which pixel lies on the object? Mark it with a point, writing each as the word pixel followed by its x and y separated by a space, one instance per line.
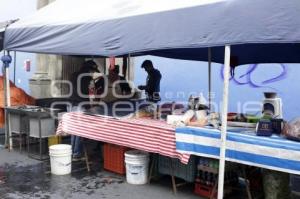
pixel 232 116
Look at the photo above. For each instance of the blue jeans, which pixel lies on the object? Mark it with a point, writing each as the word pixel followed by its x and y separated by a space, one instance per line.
pixel 76 145
pixel 76 141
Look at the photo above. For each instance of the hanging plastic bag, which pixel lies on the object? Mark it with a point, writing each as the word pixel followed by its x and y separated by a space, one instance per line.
pixel 292 129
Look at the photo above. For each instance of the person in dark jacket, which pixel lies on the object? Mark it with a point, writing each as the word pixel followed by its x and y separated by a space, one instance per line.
pixel 81 81
pixel 124 85
pixel 152 87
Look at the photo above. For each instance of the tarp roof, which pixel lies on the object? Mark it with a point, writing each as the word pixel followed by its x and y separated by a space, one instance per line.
pixel 260 31
pixel 3 26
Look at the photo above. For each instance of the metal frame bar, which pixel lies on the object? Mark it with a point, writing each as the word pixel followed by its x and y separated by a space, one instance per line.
pixel 209 79
pixel 224 122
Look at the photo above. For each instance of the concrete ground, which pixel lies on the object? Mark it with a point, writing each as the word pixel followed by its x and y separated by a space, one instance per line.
pixel 24 178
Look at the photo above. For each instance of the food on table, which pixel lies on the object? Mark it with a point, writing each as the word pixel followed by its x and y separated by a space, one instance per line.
pixel 252 119
pixel 188 119
pixel 240 117
pixel 214 119
pixel 175 120
pixel 170 108
pixel 188 116
pixel 198 123
pixel 145 113
pixel 231 116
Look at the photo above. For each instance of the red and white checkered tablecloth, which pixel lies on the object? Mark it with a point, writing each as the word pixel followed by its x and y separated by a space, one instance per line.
pixel 142 134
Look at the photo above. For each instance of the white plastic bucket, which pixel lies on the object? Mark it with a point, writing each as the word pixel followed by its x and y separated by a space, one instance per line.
pixel 137 164
pixel 60 159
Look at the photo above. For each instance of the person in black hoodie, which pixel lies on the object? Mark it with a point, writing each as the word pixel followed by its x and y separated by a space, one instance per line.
pixel 152 87
pixel 82 79
pixel 80 82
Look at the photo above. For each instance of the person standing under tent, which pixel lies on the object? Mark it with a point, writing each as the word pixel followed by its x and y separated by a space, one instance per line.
pixel 152 87
pixel 124 85
pixel 81 82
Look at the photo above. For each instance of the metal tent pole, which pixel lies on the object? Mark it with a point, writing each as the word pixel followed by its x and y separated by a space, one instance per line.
pixel 209 79
pixel 15 64
pixel 224 122
pixel 5 104
pixel 128 67
pixel 7 90
pixel 6 59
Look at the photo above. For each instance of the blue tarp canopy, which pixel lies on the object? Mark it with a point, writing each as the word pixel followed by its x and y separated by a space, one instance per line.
pixel 3 26
pixel 259 31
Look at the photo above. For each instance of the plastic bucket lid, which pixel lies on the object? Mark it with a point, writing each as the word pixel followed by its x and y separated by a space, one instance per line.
pixel 136 157
pixel 60 149
pixel 137 162
pixel 60 154
pixel 136 154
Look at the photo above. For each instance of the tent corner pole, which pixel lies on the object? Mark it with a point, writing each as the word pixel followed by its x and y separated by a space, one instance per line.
pixel 224 122
pixel 209 79
pixel 15 66
pixel 8 104
pixel 6 61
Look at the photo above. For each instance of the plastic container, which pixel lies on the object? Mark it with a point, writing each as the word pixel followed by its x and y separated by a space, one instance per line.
pixel 205 191
pixel 60 159
pixel 173 167
pixel 174 119
pixel 295 183
pixel 113 157
pixel 137 164
pixel 53 140
pixel 271 95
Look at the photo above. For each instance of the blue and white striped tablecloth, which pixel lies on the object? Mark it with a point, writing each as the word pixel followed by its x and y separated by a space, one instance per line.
pixel 274 152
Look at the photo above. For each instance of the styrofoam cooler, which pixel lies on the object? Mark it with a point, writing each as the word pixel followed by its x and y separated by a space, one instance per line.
pixel 137 166
pixel 60 159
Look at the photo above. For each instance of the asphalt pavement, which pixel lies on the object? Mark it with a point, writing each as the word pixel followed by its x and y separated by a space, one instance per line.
pixel 24 178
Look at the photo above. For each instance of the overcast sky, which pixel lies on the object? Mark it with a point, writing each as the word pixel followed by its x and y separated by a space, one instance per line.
pixel 12 9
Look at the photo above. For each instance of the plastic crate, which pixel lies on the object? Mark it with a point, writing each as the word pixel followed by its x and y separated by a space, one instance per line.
pixel 204 190
pixel 295 183
pixel 173 167
pixel 113 156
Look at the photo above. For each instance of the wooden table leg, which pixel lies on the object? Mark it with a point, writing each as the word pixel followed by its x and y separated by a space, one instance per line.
pixel 20 141
pixel 212 196
pixel 174 185
pixel 247 183
pixel 151 170
pixel 86 157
